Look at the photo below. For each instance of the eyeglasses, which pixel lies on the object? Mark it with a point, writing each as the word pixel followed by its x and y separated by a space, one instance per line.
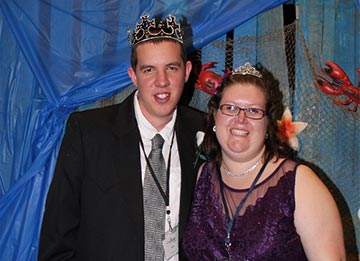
pixel 233 110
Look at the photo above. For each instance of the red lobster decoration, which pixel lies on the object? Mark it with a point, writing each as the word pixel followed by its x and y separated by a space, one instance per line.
pixel 339 85
pixel 209 81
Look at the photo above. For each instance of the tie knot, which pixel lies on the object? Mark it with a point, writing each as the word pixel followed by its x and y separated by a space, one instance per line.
pixel 157 142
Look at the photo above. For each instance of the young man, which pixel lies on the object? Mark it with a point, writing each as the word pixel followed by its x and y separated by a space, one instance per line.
pixel 96 203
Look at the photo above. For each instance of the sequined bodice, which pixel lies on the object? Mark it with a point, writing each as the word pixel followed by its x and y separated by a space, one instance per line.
pixel 264 230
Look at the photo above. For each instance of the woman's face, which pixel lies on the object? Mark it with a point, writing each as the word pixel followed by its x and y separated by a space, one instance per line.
pixel 241 138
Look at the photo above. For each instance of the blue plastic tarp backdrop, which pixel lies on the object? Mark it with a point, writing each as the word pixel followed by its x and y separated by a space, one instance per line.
pixel 56 56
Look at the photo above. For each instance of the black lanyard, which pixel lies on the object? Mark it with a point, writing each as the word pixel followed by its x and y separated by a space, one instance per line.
pixel 165 194
pixel 230 222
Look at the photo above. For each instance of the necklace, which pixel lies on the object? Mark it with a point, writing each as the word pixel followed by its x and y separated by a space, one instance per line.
pixel 229 173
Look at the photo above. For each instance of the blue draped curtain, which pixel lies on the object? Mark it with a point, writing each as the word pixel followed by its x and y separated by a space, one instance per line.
pixel 58 55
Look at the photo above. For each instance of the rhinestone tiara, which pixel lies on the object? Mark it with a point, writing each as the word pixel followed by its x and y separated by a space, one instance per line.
pixel 247 69
pixel 152 29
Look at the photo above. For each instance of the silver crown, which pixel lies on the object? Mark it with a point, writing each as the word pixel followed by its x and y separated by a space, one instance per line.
pixel 247 69
pixel 150 29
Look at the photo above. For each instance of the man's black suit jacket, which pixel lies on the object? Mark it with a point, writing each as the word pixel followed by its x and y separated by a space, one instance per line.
pixel 94 208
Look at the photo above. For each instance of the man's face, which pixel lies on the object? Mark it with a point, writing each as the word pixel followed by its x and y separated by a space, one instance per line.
pixel 159 76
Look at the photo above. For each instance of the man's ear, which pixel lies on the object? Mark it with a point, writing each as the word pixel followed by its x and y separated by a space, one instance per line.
pixel 188 67
pixel 132 76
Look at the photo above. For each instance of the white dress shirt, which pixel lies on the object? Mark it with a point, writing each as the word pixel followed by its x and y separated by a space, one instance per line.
pixel 147 132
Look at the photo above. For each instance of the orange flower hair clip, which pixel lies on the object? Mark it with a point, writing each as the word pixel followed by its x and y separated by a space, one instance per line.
pixel 289 129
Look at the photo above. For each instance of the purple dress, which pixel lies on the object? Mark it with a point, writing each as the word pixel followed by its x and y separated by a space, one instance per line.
pixel 264 229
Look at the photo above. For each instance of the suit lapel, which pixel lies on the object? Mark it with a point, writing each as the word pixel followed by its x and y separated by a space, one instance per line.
pixel 185 138
pixel 128 162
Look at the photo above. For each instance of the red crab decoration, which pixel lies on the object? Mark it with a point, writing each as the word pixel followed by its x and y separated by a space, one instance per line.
pixel 337 83
pixel 209 81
